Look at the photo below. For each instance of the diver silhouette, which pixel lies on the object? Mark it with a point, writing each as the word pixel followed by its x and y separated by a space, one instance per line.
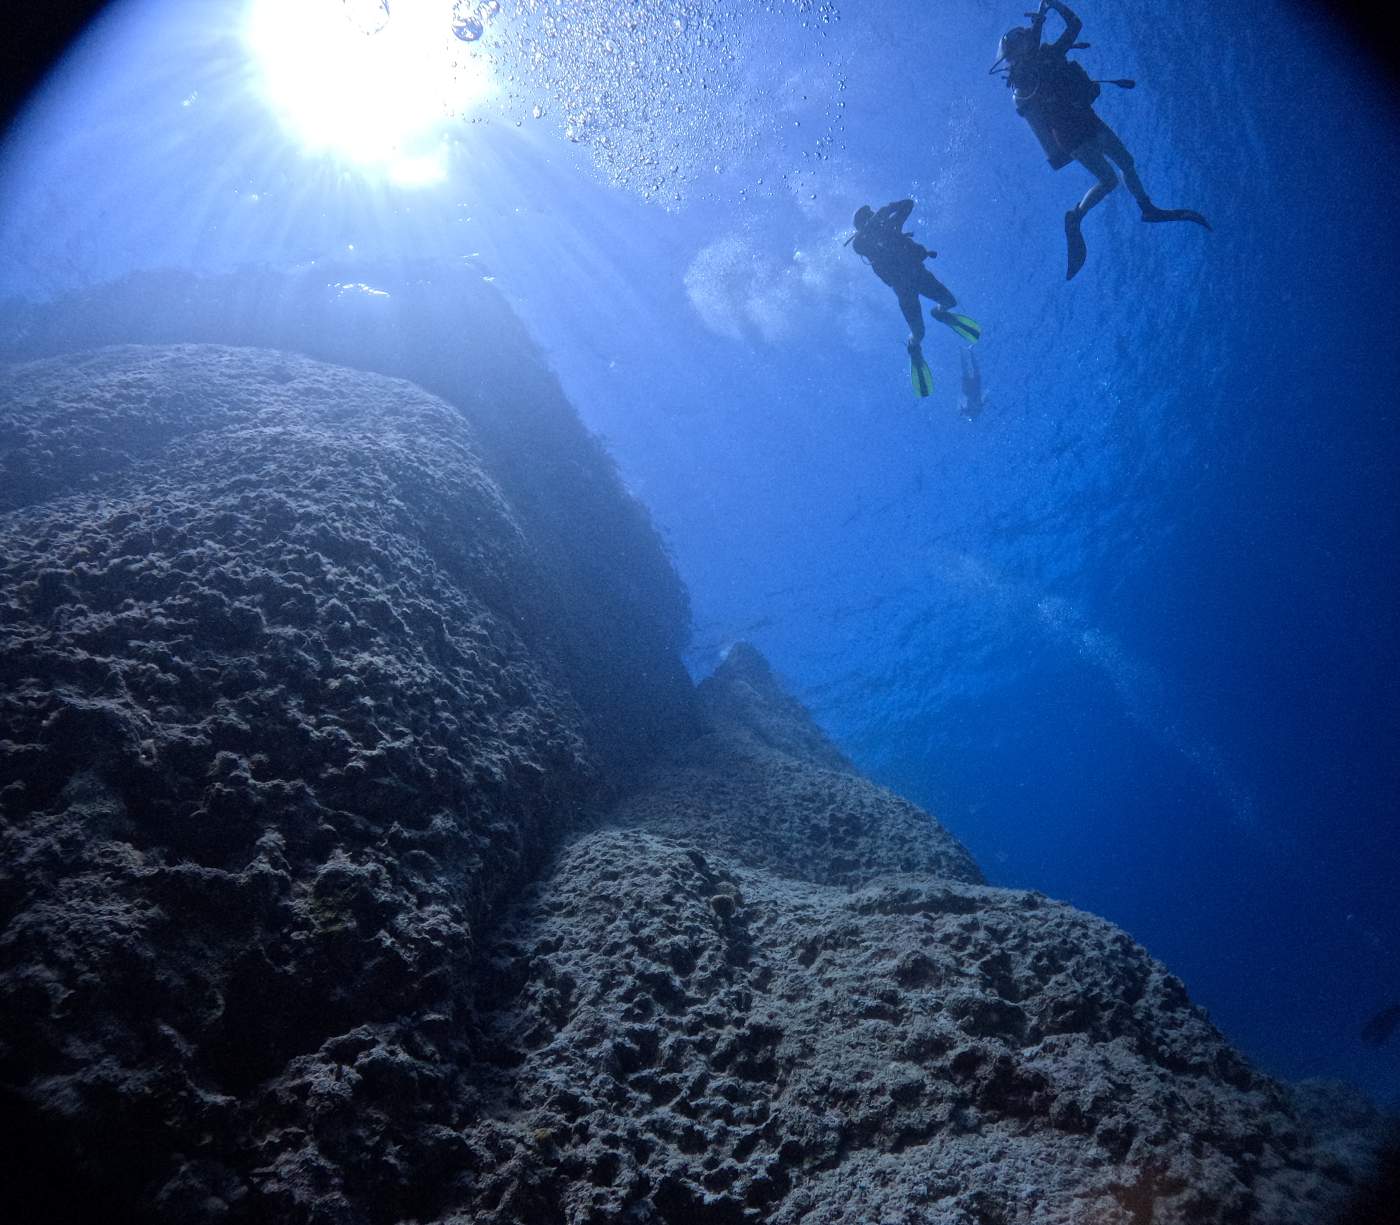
pixel 898 260
pixel 1056 97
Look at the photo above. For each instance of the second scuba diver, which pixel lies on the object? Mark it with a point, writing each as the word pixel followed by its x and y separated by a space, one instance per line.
pixel 971 402
pixel 1056 97
pixel 898 260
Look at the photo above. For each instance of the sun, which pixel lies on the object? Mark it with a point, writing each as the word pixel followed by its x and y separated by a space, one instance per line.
pixel 368 82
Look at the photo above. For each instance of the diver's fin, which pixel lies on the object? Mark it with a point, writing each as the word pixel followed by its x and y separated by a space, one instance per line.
pixel 1078 252
pixel 969 329
pixel 1153 213
pixel 920 375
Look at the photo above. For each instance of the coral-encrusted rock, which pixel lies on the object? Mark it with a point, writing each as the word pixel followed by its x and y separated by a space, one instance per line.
pixel 281 719
pixel 704 1043
pixel 697 1036
pixel 765 787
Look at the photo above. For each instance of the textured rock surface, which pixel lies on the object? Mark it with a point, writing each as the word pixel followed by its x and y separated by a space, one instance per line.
pixel 698 1041
pixel 722 1045
pixel 767 786
pixel 444 326
pixel 294 705
pixel 282 717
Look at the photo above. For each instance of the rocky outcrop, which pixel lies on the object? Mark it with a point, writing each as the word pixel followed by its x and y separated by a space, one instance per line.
pixel 710 1029
pixel 622 618
pixel 284 716
pixel 340 884
pixel 717 1044
pixel 765 784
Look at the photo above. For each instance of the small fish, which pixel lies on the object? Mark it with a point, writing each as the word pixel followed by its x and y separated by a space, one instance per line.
pixel 1378 1030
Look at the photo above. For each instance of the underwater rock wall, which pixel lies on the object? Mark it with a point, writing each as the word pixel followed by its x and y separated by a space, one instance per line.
pixel 722 1012
pixel 443 325
pixel 327 895
pixel 283 718
pixel 765 784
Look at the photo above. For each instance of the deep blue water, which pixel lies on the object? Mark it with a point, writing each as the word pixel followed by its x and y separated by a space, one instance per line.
pixel 1133 634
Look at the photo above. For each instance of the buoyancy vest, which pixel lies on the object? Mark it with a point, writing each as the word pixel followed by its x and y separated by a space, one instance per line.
pixel 894 255
pixel 1055 96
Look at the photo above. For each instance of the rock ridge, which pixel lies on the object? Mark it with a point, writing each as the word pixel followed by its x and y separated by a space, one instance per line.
pixel 764 786
pixel 284 717
pixel 337 888
pixel 444 326
pixel 706 1024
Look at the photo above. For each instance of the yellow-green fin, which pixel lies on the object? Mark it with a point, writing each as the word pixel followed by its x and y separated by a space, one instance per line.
pixel 920 376
pixel 969 329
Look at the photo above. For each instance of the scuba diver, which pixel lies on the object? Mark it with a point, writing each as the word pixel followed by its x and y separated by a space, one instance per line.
pixel 1056 97
pixel 898 260
pixel 971 403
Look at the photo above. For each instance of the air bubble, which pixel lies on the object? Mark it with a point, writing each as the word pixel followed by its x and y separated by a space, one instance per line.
pixel 468 29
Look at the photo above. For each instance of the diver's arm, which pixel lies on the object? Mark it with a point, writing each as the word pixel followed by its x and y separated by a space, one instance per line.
pixel 897 214
pixel 1073 26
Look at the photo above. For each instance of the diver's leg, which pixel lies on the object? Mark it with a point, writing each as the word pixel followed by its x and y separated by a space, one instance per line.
pixel 929 286
pixel 1092 157
pixel 1115 149
pixel 913 315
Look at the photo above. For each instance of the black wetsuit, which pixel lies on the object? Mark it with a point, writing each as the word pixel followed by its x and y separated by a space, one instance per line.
pixel 1056 97
pixel 899 261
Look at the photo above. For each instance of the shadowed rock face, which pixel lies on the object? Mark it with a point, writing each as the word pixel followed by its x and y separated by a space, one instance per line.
pixel 443 326
pixel 725 1013
pixel 283 716
pixel 325 898
pixel 766 785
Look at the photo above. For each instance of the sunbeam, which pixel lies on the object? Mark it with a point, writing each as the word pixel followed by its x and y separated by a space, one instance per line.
pixel 366 83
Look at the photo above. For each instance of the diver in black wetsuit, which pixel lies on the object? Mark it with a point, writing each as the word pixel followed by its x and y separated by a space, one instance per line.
pixel 1056 97
pixel 899 261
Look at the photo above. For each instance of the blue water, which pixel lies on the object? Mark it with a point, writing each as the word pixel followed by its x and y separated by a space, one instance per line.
pixel 1133 634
